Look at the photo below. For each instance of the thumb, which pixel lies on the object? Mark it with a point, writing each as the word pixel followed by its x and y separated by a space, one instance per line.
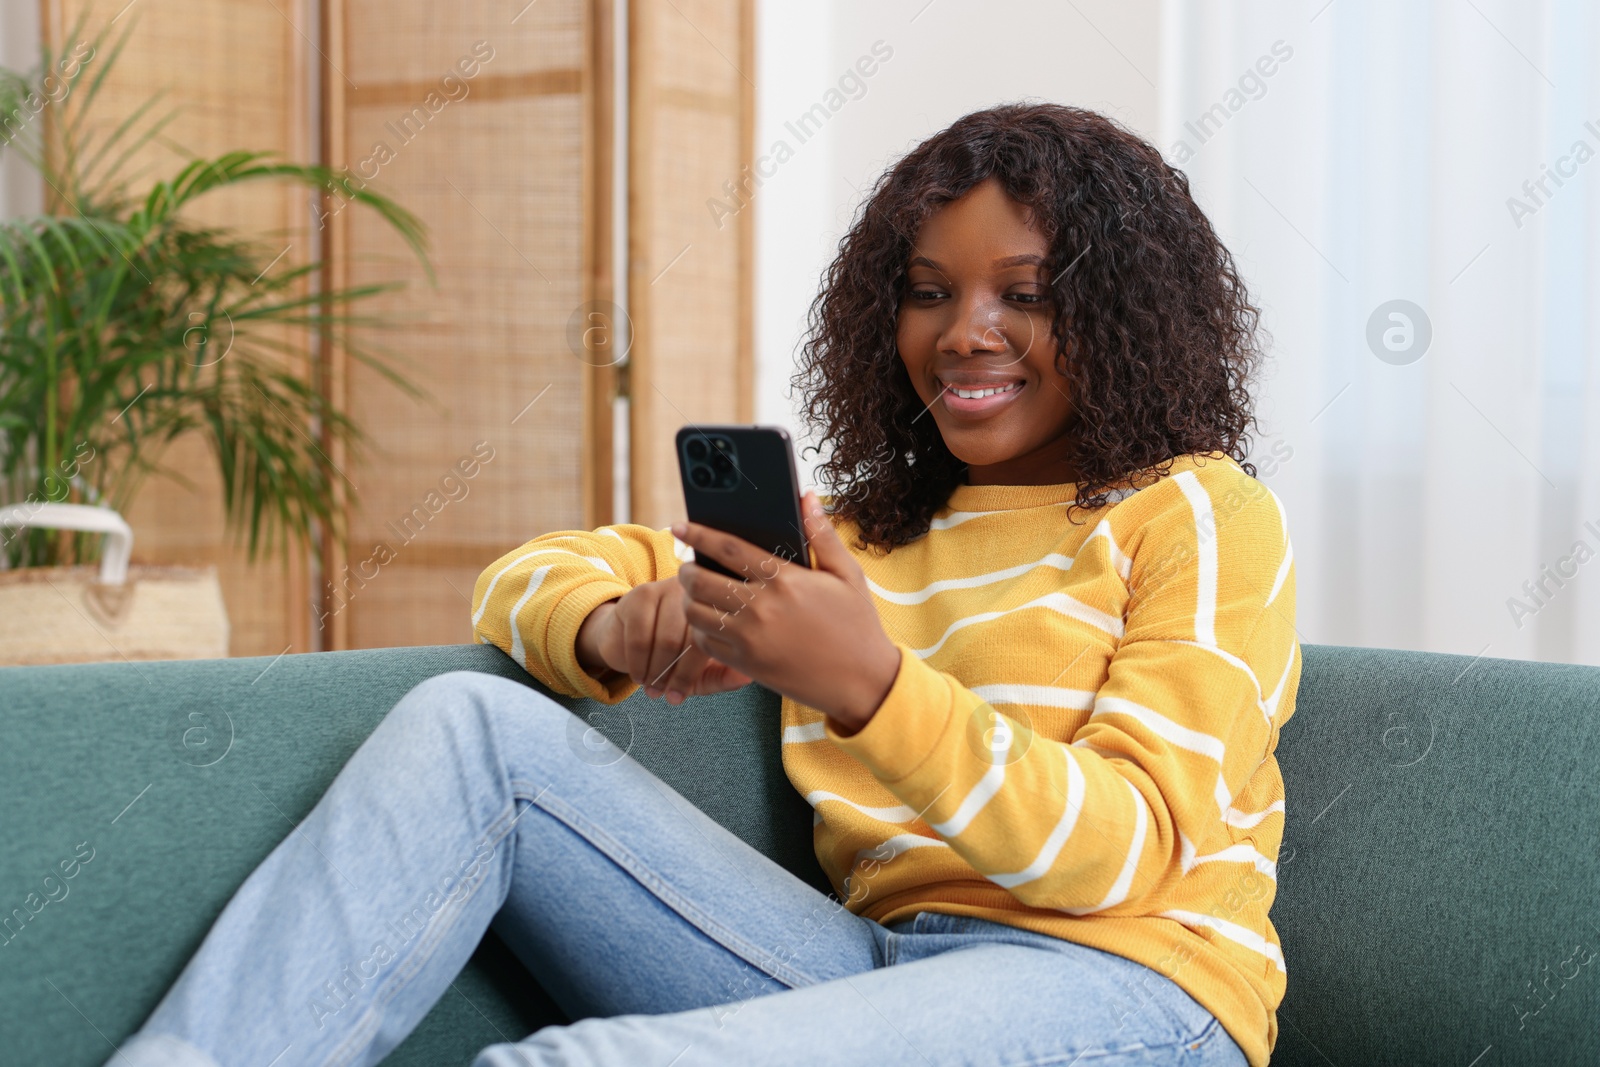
pixel 718 677
pixel 831 554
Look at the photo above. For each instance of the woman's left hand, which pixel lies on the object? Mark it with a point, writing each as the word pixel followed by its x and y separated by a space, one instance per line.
pixel 811 634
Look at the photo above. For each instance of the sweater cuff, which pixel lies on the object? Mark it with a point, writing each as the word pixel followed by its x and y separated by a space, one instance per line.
pixel 561 643
pixel 908 726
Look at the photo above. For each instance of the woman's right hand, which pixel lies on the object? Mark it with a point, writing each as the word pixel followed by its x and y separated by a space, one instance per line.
pixel 645 635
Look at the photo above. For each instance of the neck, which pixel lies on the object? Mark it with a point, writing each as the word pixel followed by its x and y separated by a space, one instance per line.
pixel 1052 463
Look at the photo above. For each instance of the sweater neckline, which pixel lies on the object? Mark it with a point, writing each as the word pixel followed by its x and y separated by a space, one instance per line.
pixel 1010 497
pixel 966 497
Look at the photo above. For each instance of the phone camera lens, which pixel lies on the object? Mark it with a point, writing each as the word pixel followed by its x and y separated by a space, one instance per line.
pixel 701 476
pixel 721 463
pixel 697 448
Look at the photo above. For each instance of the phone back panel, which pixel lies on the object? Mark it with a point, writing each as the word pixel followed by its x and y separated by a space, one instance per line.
pixel 758 499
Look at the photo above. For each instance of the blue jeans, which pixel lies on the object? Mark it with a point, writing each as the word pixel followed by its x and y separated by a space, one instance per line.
pixel 670 940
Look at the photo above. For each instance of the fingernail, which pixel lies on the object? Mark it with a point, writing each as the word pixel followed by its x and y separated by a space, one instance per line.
pixel 678 530
pixel 674 697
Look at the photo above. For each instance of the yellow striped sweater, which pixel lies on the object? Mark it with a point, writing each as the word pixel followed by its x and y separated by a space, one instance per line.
pixel 1079 740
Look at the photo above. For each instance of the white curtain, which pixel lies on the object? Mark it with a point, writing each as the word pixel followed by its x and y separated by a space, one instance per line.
pixel 1446 154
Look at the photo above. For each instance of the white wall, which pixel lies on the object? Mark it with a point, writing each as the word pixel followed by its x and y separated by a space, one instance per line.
pixel 21 192
pixel 949 57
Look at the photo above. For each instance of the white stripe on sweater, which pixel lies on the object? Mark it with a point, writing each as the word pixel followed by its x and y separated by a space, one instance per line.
pixel 1120 888
pixel 986 787
pixel 484 604
pixel 535 580
pixel 1234 661
pixel 596 560
pixel 1232 931
pixel 1288 551
pixel 1057 602
pixel 1039 696
pixel 1119 559
pixel 1223 797
pixel 1246 820
pixel 805 733
pixel 1182 736
pixel 1076 787
pixel 1234 854
pixel 918 596
pixel 1205 611
pixel 1190 740
pixel 892 813
pixel 896 845
pixel 1277 693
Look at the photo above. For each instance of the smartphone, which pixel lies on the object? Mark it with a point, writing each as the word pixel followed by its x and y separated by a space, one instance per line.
pixel 742 480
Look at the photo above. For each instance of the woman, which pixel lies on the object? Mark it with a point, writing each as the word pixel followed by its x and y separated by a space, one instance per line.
pixel 1031 688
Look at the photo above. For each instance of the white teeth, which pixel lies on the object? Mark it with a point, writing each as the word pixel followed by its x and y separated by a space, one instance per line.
pixel 973 394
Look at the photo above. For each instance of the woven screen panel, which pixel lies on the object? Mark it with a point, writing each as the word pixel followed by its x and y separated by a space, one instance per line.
pixel 234 69
pixel 495 163
pixel 692 96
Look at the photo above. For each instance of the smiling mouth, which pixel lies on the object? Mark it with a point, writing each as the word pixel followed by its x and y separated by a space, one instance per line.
pixel 978 400
pixel 979 393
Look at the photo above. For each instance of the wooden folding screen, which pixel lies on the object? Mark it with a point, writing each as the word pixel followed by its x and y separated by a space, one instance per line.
pixel 691 131
pixel 491 120
pixel 237 70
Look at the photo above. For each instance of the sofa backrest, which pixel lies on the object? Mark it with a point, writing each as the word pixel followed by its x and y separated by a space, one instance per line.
pixel 1437 886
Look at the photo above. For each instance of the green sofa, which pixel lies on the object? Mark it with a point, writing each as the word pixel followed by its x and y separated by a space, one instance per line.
pixel 1438 887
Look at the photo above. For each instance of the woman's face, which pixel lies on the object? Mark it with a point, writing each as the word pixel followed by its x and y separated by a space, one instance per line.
pixel 977 317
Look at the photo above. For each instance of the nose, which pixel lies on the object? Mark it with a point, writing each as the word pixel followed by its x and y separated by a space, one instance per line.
pixel 976 324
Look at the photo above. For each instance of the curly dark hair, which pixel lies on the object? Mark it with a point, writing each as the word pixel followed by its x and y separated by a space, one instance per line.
pixel 1154 330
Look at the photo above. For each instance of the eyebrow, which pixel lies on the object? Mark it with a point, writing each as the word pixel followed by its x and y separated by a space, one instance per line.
pixel 1025 260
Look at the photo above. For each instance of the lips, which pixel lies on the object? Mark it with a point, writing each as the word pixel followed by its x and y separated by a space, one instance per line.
pixel 984 396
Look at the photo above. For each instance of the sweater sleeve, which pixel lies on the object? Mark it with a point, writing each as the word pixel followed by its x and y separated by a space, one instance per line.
pixel 1105 821
pixel 531 601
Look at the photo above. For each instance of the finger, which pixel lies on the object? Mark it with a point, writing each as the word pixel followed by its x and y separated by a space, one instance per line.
pixel 638 638
pixel 831 554
pixel 718 677
pixel 715 644
pixel 734 553
pixel 711 621
pixel 671 642
pixel 701 585
pixel 683 676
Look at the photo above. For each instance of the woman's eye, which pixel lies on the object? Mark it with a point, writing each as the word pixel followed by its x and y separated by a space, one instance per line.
pixel 925 296
pixel 1028 298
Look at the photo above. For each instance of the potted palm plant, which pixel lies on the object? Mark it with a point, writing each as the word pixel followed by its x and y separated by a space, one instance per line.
pixel 126 325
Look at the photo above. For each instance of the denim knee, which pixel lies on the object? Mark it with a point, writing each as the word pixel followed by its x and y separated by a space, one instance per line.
pixel 471 709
